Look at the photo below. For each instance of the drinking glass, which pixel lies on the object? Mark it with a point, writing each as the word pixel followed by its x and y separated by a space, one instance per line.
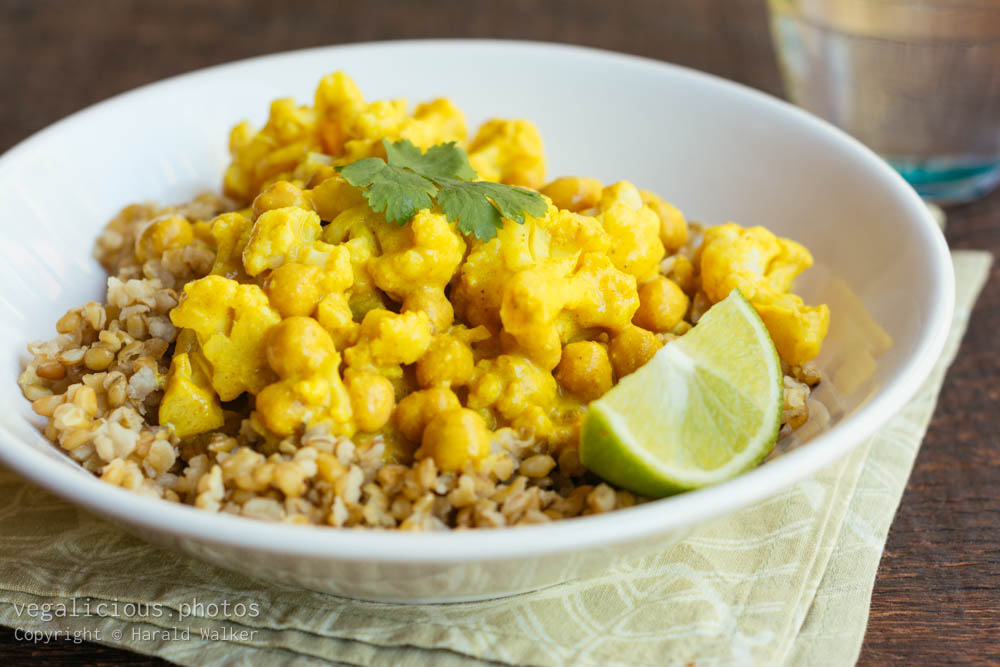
pixel 918 81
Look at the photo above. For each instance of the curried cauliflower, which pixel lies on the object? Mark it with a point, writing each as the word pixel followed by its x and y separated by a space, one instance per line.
pixel 386 340
pixel 310 389
pixel 231 322
pixel 189 403
pixel 325 365
pixel 634 229
pixel 425 253
pixel 763 267
pixel 509 151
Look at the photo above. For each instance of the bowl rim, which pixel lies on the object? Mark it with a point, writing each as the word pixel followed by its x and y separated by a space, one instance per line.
pixel 603 530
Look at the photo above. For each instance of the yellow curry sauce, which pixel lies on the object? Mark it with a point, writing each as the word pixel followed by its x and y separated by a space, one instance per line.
pixel 324 313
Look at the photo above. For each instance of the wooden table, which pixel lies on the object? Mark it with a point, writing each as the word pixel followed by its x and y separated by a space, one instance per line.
pixel 937 596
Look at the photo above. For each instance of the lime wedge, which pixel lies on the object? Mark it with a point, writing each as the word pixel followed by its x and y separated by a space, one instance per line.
pixel 705 408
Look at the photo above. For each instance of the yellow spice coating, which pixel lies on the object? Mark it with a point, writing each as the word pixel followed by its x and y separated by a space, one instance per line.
pixel 509 151
pixel 231 321
pixel 324 313
pixel 189 404
pixel 585 370
pixel 673 226
pixel 166 233
pixel 417 409
pixel 763 267
pixel 310 389
pixel 448 362
pixel 372 399
pixel 454 438
pixel 574 193
pixel 632 348
pixel 662 305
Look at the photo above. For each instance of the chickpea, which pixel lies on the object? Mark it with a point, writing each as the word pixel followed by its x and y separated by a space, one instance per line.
pixel 447 362
pixel 662 305
pixel 279 195
pixel 416 410
pixel 574 193
pixel 585 370
pixel 161 235
pixel 454 438
pixel 293 289
pixel 433 302
pixel 632 348
pixel 280 409
pixel 682 273
pixel 673 226
pixel 299 347
pixel 331 195
pixel 334 313
pixel 372 399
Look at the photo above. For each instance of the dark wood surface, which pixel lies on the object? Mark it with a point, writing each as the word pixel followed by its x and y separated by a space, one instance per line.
pixel 937 596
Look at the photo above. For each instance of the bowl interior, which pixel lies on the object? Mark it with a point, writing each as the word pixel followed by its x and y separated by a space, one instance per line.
pixel 718 151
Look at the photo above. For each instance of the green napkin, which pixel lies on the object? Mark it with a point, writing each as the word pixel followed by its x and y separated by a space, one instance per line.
pixel 786 581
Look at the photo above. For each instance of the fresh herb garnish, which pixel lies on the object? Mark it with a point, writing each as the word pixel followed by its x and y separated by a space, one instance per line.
pixel 409 180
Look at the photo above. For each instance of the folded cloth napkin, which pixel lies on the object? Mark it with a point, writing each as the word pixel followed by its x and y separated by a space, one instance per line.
pixel 786 581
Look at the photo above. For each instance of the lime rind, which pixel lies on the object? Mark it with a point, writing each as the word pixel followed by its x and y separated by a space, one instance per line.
pixel 718 372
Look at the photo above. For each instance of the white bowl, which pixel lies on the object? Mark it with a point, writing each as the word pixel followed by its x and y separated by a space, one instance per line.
pixel 717 150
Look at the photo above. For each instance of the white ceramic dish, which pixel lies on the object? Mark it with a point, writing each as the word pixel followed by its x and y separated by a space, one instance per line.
pixel 718 150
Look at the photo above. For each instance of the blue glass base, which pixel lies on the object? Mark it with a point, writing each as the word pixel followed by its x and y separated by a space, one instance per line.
pixel 949 180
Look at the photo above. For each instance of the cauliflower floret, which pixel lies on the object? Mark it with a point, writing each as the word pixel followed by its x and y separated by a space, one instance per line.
pixel 434 123
pixel 189 404
pixel 337 100
pixel 304 269
pixel 424 253
pixel 297 142
pixel 509 151
pixel 352 129
pixel 518 391
pixel 260 158
pixel 310 390
pixel 353 229
pixel 763 266
pixel 381 119
pixel 231 232
pixel 543 281
pixel 603 295
pixel 490 266
pixel 749 259
pixel 280 236
pixel 798 330
pixel 387 339
pixel 531 302
pixel 571 233
pixel 231 322
pixel 634 229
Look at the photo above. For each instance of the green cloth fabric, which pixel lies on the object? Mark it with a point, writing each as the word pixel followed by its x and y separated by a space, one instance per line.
pixel 788 580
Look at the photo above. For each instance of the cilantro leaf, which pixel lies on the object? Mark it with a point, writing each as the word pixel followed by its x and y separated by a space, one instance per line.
pixel 472 213
pixel 440 161
pixel 479 207
pixel 398 192
pixel 409 180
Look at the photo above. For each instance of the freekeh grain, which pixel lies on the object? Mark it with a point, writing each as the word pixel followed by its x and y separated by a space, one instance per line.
pixel 432 331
